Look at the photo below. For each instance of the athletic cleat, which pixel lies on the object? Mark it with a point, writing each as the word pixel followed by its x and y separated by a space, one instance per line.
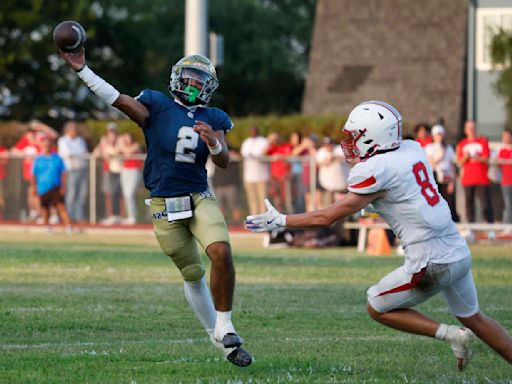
pixel 240 357
pixel 231 340
pixel 459 339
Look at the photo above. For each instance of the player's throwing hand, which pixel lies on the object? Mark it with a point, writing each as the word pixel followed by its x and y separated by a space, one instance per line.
pixel 267 221
pixel 75 60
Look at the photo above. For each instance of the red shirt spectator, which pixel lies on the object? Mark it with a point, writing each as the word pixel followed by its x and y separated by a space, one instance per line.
pixel 279 168
pixel 422 133
pixel 506 154
pixel 3 162
pixel 470 153
pixel 28 146
pixel 424 141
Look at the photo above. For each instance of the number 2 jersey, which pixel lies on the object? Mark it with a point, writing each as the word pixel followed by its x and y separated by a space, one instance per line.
pixel 175 163
pixel 413 207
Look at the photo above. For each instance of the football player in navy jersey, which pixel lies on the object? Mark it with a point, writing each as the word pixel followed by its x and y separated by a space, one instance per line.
pixel 181 131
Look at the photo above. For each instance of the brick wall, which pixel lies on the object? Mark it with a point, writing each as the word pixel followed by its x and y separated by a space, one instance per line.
pixel 410 53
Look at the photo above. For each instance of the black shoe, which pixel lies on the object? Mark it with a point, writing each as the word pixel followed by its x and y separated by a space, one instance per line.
pixel 240 357
pixel 231 340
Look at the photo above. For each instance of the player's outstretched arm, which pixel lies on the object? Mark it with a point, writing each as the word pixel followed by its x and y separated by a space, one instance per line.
pixel 350 204
pixel 272 219
pixel 134 109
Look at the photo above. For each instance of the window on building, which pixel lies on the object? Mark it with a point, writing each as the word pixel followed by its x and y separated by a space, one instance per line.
pixel 488 22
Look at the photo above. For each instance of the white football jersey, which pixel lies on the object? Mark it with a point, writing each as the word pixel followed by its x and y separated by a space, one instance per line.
pixel 413 207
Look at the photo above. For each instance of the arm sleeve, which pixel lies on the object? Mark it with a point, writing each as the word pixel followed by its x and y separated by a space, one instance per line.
pixel 62 167
pixel 366 178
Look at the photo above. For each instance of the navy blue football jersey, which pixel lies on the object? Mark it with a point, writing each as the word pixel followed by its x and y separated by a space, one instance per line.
pixel 175 163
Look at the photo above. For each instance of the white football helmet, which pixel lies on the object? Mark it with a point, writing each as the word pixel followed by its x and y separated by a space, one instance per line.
pixel 371 128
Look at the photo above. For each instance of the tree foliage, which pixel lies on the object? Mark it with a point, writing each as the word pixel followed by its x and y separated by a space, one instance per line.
pixel 133 44
pixel 501 55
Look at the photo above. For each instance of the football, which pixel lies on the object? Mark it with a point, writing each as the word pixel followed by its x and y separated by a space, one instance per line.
pixel 69 36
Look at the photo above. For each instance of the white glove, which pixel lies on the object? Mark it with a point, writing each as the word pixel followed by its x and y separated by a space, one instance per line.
pixel 267 221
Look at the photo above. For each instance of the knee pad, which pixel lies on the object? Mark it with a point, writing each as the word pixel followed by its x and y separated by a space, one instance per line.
pixel 192 272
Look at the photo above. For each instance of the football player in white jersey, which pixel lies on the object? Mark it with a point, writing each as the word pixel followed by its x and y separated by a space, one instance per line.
pixel 395 177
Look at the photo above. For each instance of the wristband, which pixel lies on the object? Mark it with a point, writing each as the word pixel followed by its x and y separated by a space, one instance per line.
pixel 215 150
pixel 100 87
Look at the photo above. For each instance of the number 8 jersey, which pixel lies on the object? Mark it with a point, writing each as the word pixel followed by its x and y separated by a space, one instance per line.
pixel 175 163
pixel 412 207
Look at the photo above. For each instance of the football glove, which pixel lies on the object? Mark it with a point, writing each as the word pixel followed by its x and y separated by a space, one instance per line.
pixel 267 221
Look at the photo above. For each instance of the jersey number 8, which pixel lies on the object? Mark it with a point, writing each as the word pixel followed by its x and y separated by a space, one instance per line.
pixel 427 189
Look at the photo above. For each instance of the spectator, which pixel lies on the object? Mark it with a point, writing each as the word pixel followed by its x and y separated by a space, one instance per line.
pixel 505 159
pixel 48 183
pixel 255 171
pixel 332 170
pixel 108 150
pixel 29 146
pixel 442 159
pixel 130 175
pixel 297 185
pixel 3 174
pixel 279 171
pixel 473 156
pixel 225 184
pixel 310 144
pixel 422 134
pixel 73 150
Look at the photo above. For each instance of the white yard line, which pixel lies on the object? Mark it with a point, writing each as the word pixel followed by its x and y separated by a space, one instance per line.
pixel 198 340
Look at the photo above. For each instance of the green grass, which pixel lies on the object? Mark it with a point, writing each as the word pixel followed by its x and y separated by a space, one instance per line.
pixel 74 310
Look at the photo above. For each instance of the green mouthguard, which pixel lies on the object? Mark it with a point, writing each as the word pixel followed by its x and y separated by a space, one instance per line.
pixel 192 93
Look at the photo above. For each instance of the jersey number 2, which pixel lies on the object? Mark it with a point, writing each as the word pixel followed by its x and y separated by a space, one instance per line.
pixel 427 189
pixel 186 145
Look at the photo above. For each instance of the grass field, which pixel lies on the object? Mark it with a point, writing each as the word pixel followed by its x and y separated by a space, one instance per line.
pixel 110 309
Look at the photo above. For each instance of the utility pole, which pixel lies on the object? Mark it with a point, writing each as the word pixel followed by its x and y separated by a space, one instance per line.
pixel 196 27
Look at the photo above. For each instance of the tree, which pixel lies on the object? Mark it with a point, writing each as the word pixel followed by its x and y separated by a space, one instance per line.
pixel 134 43
pixel 266 50
pixel 126 39
pixel 501 55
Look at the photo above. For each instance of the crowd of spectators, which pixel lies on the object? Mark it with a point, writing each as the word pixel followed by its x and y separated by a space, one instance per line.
pixel 272 166
pixel 55 174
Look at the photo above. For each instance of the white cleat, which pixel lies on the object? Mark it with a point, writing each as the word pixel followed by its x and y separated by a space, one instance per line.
pixel 459 339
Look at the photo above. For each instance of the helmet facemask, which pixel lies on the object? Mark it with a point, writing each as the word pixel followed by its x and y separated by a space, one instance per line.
pixel 193 80
pixel 350 146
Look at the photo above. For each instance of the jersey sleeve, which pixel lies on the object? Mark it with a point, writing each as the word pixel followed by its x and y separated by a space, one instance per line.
pixel 221 121
pixel 144 97
pixel 368 177
pixel 486 152
pixel 62 166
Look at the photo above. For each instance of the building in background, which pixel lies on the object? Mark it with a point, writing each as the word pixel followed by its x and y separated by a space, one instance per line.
pixel 428 58
pixel 485 18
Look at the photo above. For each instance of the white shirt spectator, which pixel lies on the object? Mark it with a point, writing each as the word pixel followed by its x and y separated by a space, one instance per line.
pixel 255 170
pixel 332 169
pixel 72 151
pixel 445 155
